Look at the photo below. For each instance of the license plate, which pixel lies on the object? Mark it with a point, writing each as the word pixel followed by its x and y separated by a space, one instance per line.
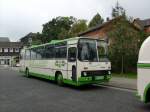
pixel 99 77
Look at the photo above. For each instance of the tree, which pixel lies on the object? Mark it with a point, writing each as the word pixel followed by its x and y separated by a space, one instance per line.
pixel 37 39
pixel 79 26
pixel 126 41
pixel 96 20
pixel 118 11
pixel 57 28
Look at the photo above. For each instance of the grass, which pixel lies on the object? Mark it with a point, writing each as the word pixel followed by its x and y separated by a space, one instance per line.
pixel 126 75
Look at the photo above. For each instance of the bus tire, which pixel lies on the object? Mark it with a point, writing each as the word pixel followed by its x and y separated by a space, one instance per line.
pixel 27 73
pixel 59 79
pixel 147 96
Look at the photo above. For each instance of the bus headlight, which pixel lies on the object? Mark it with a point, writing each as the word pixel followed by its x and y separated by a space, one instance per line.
pixel 84 74
pixel 109 72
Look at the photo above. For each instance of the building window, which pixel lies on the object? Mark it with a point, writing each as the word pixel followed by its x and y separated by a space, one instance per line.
pixel 16 49
pixel 1 50
pixel 5 49
pixel 10 49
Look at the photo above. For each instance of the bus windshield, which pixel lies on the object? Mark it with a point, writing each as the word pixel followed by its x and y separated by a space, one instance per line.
pixel 102 50
pixel 87 50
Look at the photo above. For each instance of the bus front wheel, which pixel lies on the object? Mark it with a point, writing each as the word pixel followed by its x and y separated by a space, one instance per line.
pixel 27 72
pixel 59 79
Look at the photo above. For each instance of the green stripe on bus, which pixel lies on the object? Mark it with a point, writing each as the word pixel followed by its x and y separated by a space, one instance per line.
pixel 143 65
pixel 42 76
pixel 81 80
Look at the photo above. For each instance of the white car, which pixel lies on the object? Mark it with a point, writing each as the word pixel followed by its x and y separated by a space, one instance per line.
pixel 17 65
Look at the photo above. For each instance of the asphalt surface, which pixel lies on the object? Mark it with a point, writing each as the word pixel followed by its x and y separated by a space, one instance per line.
pixel 21 94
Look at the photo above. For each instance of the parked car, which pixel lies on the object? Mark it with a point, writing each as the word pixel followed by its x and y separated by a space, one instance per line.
pixel 17 65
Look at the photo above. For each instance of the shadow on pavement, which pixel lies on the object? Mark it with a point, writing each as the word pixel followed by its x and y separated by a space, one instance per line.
pixel 88 87
pixel 145 107
pixel 80 88
pixel 40 79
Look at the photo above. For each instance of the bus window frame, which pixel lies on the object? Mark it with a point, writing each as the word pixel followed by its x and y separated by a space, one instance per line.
pixel 75 56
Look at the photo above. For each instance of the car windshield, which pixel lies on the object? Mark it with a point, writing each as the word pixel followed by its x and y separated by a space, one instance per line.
pixel 87 50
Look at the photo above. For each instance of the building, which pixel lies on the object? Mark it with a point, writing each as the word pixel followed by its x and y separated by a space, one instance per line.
pixel 9 51
pixel 101 31
pixel 4 39
pixel 27 39
pixel 143 25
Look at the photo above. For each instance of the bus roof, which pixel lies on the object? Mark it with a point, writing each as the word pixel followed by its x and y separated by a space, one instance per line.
pixel 57 41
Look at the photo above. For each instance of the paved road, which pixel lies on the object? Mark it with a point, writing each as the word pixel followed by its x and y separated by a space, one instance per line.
pixel 21 94
pixel 123 83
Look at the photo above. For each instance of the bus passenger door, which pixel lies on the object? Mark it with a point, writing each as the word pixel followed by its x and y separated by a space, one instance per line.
pixel 72 52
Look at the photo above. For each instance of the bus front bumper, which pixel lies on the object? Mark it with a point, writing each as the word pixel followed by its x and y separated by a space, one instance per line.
pixel 88 80
pixel 94 79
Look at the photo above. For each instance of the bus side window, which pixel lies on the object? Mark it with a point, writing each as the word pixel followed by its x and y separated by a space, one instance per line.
pixel 33 54
pixel 40 53
pixel 49 51
pixel 27 55
pixel 72 51
pixel 22 56
pixel 61 52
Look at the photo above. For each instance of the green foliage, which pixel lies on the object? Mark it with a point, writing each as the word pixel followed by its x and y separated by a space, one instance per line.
pixel 62 27
pixel 126 41
pixel 97 19
pixel 118 11
pixel 79 26
pixel 127 75
pixel 37 39
pixel 57 28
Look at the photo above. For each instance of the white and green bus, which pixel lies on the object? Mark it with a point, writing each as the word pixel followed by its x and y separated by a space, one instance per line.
pixel 76 61
pixel 143 79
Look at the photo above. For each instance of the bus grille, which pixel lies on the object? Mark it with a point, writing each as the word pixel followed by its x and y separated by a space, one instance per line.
pixel 94 73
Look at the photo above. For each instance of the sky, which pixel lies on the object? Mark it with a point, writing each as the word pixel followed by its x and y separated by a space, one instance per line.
pixel 20 17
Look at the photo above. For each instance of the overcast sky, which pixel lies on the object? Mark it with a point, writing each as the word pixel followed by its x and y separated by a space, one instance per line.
pixel 19 17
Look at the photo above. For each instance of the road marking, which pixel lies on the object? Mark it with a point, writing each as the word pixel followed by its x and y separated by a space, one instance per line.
pixel 117 88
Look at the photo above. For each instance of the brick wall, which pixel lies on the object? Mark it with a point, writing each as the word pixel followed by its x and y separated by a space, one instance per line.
pixel 147 30
pixel 99 33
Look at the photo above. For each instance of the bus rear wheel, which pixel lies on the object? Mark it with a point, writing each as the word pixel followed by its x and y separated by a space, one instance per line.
pixel 59 79
pixel 27 72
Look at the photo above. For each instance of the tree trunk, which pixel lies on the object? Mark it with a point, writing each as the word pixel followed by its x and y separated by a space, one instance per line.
pixel 122 64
